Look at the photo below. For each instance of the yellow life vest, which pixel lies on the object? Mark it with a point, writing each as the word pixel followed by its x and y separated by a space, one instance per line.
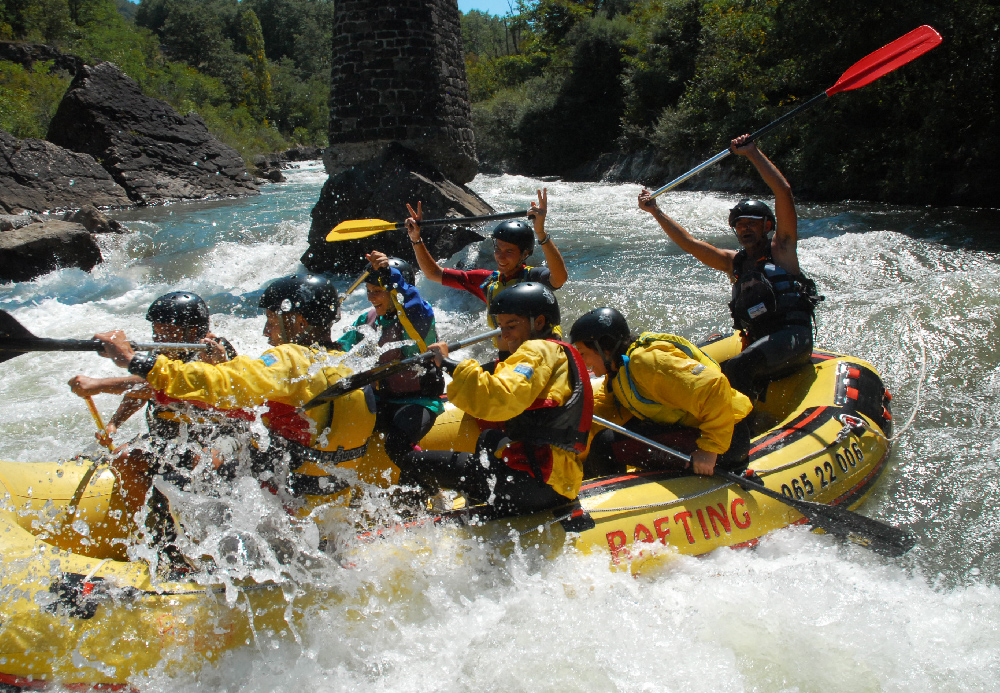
pixel 624 386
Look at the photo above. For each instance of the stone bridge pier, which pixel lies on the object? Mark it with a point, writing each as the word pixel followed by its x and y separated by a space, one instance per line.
pixel 400 127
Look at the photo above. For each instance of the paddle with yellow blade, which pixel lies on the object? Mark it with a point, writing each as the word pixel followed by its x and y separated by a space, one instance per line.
pixel 362 228
pixel 835 519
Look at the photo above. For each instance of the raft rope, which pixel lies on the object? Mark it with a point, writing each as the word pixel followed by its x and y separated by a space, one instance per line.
pixel 850 423
pixel 90 576
pixel 920 385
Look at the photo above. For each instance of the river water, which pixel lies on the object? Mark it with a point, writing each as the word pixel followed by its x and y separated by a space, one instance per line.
pixel 915 291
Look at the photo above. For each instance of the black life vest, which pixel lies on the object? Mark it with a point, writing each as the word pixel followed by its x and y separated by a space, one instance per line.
pixel 767 298
pixel 565 425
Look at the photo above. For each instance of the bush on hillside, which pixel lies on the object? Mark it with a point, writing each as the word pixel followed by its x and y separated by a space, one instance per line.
pixel 29 98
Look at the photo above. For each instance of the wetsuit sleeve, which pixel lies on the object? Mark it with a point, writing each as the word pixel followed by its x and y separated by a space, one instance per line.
pixel 470 281
pixel 351 337
pixel 513 387
pixel 540 274
pixel 704 393
pixel 279 375
pixel 417 310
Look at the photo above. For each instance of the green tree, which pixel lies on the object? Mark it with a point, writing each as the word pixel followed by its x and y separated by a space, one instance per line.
pixel 660 59
pixel 256 79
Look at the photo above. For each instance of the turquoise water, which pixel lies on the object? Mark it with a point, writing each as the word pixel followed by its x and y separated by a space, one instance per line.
pixel 439 611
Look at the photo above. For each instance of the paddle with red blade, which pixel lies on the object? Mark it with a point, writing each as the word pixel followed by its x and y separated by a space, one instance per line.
pixel 865 71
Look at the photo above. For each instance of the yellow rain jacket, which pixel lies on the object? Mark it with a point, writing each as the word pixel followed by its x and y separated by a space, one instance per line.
pixel 282 379
pixel 669 380
pixel 536 375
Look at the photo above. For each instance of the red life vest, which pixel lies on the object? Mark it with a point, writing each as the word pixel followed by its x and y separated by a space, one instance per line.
pixel 546 423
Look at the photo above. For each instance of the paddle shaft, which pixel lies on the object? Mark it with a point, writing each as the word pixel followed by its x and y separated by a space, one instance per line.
pixel 819 98
pixel 837 520
pixel 453 346
pixel 874 65
pixel 359 380
pixel 74 502
pixel 45 344
pixel 105 439
pixel 464 221
pixel 355 285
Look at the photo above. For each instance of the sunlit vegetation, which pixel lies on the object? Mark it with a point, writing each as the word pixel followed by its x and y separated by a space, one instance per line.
pixel 556 83
pixel 257 71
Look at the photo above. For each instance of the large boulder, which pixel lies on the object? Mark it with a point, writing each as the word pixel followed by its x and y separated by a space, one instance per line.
pixel 150 149
pixel 303 153
pixel 38 176
pixel 380 189
pixel 33 250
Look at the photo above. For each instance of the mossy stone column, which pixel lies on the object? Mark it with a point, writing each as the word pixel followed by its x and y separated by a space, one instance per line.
pixel 399 76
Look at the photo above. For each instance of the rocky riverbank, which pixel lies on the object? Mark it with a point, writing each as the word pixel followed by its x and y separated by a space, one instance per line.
pixel 108 146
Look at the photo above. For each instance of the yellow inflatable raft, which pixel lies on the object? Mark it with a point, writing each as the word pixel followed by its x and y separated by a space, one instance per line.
pixel 73 609
pixel 821 434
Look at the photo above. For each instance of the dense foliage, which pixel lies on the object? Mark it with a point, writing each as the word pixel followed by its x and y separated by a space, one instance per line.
pixel 257 71
pixel 558 82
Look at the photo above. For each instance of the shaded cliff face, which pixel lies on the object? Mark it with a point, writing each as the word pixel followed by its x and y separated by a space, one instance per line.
pixel 151 150
pixel 399 76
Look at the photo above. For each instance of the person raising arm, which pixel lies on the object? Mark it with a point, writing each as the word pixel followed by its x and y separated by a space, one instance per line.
pixel 772 301
pixel 513 242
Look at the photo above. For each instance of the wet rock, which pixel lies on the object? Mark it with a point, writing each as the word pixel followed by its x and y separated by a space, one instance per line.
pixel 16 221
pixel 36 249
pixel 151 150
pixel 380 189
pixel 268 167
pixel 39 176
pixel 303 154
pixel 91 219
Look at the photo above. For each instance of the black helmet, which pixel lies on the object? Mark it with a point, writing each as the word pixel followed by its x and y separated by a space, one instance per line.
pixel 604 330
pixel 605 326
pixel 180 308
pixel 517 232
pixel 405 268
pixel 755 209
pixel 528 299
pixel 313 296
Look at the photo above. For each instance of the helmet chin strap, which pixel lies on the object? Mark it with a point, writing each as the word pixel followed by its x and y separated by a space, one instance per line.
pixel 538 334
pixel 284 328
pixel 532 333
pixel 608 362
